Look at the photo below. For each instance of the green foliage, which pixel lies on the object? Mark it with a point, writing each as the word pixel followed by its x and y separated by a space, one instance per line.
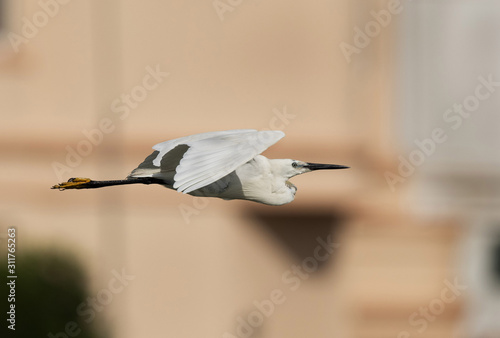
pixel 50 285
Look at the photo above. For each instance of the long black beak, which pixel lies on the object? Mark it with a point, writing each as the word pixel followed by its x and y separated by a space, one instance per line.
pixel 319 166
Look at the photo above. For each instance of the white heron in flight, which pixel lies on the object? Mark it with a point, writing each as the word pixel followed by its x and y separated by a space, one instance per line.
pixel 224 164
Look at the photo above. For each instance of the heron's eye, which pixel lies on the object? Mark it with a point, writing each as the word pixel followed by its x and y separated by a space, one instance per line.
pixel 294 164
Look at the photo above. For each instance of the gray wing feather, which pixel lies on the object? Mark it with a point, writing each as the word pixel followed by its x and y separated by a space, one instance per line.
pixel 197 161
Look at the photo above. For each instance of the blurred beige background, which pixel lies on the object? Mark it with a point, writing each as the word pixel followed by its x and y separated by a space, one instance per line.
pixel 360 83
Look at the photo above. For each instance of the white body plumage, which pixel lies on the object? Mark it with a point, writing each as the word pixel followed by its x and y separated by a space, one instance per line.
pixel 227 165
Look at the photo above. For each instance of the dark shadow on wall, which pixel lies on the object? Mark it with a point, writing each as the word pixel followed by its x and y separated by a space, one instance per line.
pixel 495 259
pixel 303 232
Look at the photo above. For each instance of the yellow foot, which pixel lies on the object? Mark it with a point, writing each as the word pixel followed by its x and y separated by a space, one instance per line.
pixel 73 183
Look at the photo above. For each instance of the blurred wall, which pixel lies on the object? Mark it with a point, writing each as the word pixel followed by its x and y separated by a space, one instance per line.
pixel 89 90
pixel 450 76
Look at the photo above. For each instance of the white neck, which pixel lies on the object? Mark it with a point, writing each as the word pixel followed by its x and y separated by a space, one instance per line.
pixel 265 185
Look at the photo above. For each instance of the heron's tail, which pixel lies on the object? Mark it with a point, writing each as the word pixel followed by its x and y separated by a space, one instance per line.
pixel 87 183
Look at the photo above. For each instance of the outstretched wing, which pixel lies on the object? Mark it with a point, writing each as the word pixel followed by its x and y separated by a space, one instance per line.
pixel 211 156
pixel 167 146
pixel 168 154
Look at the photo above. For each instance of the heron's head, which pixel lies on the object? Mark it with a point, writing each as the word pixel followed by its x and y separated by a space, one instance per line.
pixel 283 170
pixel 290 168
